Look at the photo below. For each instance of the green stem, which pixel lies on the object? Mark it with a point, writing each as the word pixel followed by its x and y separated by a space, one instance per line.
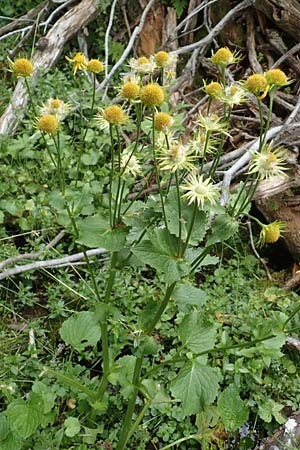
pixel 36 115
pixel 249 198
pixel 103 324
pixel 191 228
pixel 199 258
pixel 138 419
pixel 291 316
pixel 239 194
pixel 157 173
pixel 209 105
pixel 59 164
pixel 216 160
pixel 271 94
pixel 30 97
pixel 261 122
pixel 118 199
pixel 179 212
pixel 152 324
pixel 131 404
pixel 208 133
pixel 191 436
pixel 111 176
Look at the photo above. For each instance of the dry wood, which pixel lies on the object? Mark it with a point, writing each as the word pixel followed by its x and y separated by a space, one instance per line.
pixel 284 13
pixel 252 56
pixel 28 17
pixel 285 437
pixel 61 32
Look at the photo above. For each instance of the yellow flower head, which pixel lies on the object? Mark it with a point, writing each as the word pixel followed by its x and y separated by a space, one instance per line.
pixel 200 191
pixel 142 65
pixel 79 62
pixel 111 115
pixel 213 123
pixel 256 84
pixel 232 95
pixel 95 66
pixel 48 123
pixel 162 58
pixel 130 164
pixel 271 233
pixel 213 89
pixel 276 77
pixel 55 103
pixel 130 90
pixel 21 67
pixel 202 145
pixel 269 162
pixel 162 121
pixel 114 114
pixel 143 60
pixel 176 157
pixel 152 95
pixel 55 107
pixel 224 57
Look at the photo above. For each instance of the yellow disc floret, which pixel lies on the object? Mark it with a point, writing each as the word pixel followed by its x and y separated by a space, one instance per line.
pixel 162 121
pixel 114 114
pixel 271 233
pixel 48 123
pixel 213 89
pixel 130 90
pixel 95 66
pixel 256 83
pixel 152 95
pixel 143 60
pixel 55 103
pixel 223 57
pixel 162 59
pixel 276 77
pixel 21 67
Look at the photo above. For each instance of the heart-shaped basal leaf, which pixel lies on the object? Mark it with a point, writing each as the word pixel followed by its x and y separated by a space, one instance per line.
pixel 160 252
pixel 196 385
pixel 23 418
pixel 187 296
pixel 224 226
pixel 95 231
pixel 196 333
pixel 81 330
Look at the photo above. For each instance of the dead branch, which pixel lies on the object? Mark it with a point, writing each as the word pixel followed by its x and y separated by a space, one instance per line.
pixel 51 263
pixel 60 33
pixel 217 29
pixel 28 17
pixel 252 56
pixel 130 45
pixel 34 255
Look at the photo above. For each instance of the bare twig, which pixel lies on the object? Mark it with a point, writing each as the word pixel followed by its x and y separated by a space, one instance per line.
pixel 252 56
pixel 290 52
pixel 50 263
pixel 34 255
pixel 217 29
pixel 28 17
pixel 107 33
pixel 130 44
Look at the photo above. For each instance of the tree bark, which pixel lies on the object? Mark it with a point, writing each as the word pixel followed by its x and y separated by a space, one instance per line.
pixel 284 13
